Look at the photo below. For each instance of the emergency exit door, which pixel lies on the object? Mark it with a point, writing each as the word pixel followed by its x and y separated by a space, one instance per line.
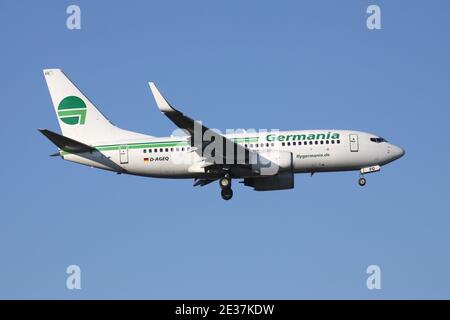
pixel 354 144
pixel 123 154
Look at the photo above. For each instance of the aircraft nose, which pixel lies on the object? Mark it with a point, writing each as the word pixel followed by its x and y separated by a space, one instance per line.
pixel 397 152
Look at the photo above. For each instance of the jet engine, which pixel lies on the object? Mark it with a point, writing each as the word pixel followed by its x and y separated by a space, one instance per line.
pixel 279 182
pixel 275 171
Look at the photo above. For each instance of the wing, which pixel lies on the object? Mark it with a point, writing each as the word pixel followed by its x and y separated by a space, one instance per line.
pixel 229 155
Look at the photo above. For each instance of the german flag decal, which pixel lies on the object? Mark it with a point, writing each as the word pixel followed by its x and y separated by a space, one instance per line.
pixel 145 159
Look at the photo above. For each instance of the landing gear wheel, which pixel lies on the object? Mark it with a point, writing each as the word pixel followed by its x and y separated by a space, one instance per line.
pixel 225 182
pixel 226 193
pixel 362 181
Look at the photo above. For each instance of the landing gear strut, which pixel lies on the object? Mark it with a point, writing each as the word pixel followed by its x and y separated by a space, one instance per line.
pixel 225 184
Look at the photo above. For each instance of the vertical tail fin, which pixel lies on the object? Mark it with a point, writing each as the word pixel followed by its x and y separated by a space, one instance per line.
pixel 78 118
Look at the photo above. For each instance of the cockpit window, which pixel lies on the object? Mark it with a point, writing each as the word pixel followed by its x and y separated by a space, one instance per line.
pixel 378 140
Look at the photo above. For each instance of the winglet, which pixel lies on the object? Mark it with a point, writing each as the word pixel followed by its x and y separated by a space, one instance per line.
pixel 162 103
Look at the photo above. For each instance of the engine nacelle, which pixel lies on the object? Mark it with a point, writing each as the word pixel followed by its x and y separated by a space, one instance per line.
pixel 272 163
pixel 279 182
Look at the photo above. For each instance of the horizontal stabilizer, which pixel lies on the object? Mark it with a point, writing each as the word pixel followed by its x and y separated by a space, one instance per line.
pixel 66 144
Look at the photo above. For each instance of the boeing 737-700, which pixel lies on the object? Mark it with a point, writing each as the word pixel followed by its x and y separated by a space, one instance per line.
pixel 262 160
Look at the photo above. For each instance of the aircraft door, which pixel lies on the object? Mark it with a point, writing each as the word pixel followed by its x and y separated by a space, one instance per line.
pixel 123 154
pixel 354 144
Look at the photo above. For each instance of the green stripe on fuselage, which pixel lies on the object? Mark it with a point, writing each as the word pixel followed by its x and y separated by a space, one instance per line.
pixel 160 144
pixel 243 140
pixel 143 145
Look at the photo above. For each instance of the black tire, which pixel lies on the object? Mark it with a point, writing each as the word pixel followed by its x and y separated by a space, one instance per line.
pixel 226 194
pixel 362 182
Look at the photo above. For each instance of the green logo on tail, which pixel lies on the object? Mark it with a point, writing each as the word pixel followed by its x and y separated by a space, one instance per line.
pixel 72 110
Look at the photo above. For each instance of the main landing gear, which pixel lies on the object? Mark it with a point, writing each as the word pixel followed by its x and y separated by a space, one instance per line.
pixel 225 184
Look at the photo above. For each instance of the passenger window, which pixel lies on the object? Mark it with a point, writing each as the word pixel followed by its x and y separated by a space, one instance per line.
pixel 251 145
pixel 310 142
pixel 182 149
pixel 149 150
pixel 316 142
pixel 245 145
pixel 327 142
pixel 161 150
pixel 145 150
pixel 294 143
pixel 283 144
pixel 338 141
pixel 267 144
pixel 288 143
pixel 332 141
pixel 273 144
pixel 321 141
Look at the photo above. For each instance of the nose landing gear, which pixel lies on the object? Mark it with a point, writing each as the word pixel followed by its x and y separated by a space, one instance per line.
pixel 362 181
pixel 225 184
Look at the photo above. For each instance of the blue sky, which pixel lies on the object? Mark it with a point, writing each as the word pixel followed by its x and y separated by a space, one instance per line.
pixel 232 64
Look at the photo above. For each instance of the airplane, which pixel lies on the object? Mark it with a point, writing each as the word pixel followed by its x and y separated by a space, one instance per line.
pixel 264 161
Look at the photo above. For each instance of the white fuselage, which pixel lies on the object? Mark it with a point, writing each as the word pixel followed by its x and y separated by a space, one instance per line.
pixel 312 151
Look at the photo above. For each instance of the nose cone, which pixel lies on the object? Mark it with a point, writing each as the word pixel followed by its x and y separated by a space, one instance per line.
pixel 397 152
